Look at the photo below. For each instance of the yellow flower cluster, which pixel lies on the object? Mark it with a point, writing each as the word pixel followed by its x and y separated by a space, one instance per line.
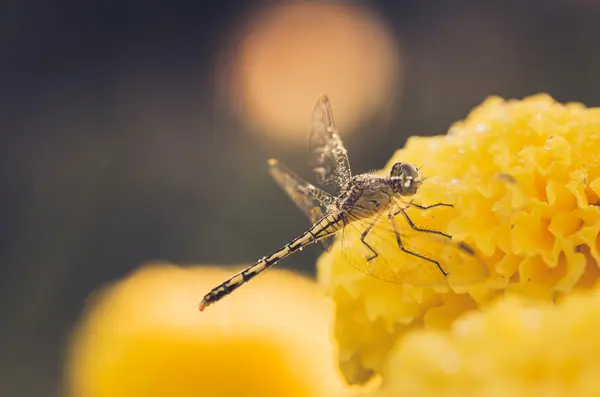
pixel 524 179
pixel 144 337
pixel 511 349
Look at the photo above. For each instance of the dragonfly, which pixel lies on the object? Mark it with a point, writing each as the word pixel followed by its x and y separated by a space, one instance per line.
pixel 371 213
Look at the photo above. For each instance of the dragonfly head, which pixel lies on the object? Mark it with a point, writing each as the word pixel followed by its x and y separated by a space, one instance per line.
pixel 406 178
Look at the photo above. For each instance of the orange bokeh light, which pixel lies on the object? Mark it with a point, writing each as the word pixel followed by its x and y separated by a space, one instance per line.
pixel 291 54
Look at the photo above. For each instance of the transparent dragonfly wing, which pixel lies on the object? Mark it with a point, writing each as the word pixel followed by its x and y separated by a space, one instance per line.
pixel 385 260
pixel 314 202
pixel 329 157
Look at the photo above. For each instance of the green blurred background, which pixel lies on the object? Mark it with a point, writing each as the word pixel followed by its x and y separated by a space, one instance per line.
pixel 132 131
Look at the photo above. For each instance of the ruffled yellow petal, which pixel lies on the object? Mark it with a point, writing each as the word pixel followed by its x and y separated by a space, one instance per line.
pixel 144 336
pixel 524 178
pixel 511 349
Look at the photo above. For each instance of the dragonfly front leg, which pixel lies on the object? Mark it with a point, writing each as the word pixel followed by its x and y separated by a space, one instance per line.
pixel 404 204
pixel 426 207
pixel 392 220
pixel 463 246
pixel 417 228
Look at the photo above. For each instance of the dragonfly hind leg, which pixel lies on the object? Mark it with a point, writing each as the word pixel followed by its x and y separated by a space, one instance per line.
pixel 364 234
pixel 392 220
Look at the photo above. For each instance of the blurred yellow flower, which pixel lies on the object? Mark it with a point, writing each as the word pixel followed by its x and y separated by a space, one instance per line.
pixel 144 336
pixel 511 349
pixel 524 179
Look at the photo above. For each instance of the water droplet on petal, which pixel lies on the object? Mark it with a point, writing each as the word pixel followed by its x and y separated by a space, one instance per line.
pixel 481 127
pixel 548 143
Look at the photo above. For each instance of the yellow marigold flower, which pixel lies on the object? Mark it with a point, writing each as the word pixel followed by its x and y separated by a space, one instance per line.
pixel 524 178
pixel 511 349
pixel 144 336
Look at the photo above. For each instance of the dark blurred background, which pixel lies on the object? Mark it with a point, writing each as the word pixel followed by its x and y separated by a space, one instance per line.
pixel 132 131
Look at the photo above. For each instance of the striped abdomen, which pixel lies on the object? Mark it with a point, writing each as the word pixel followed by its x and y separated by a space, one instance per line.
pixel 327 226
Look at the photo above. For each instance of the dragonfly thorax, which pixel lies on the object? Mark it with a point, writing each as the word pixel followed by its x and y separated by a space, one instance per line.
pixel 366 193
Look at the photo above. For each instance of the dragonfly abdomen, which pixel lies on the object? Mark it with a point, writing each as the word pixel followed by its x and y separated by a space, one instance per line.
pixel 327 226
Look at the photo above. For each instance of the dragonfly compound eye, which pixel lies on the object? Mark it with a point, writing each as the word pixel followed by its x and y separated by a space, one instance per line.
pixel 407 178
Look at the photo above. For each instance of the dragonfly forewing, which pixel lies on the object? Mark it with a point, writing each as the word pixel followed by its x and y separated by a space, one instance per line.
pixel 328 154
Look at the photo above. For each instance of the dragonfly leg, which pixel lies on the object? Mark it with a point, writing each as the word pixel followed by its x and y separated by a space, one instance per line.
pixel 401 246
pixel 426 207
pixel 417 228
pixel 364 234
pixel 411 203
pixel 463 246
